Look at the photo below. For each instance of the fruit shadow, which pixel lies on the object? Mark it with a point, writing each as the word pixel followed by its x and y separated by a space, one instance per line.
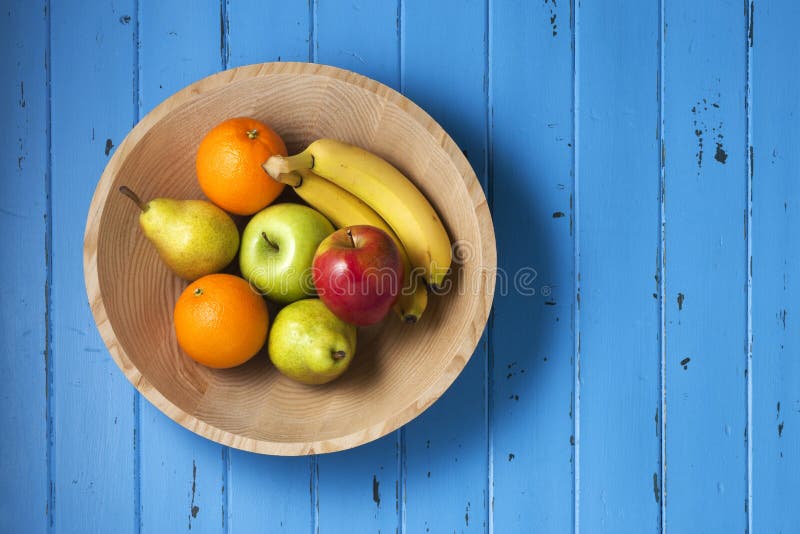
pixel 525 353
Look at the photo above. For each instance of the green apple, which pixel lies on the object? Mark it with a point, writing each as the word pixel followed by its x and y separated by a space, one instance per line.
pixel 278 247
pixel 308 343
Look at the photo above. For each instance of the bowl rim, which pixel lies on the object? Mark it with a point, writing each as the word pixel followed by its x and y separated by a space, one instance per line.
pixel 463 351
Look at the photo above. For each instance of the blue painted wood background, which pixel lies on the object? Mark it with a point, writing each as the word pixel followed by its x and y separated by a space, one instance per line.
pixel 642 162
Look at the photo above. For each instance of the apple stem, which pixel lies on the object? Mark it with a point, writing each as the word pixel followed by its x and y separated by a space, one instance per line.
pixel 338 355
pixel 133 196
pixel 350 235
pixel 270 243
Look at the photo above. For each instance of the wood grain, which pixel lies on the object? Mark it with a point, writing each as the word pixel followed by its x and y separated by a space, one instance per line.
pixel 399 370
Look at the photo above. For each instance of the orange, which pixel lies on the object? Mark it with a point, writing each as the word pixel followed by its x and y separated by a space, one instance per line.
pixel 220 321
pixel 229 165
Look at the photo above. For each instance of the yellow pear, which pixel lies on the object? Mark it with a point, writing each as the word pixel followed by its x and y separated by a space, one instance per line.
pixel 193 237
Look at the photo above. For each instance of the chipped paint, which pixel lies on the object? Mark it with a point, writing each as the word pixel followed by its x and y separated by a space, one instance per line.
pixel 656 489
pixel 720 155
pixel 193 509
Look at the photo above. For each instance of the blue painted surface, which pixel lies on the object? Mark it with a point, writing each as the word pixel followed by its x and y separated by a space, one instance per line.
pixel 532 333
pixel 649 383
pixel 92 443
pixel 23 229
pixel 775 188
pixel 705 200
pixel 617 228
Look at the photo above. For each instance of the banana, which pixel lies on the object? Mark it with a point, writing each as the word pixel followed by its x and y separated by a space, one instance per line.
pixel 386 190
pixel 344 209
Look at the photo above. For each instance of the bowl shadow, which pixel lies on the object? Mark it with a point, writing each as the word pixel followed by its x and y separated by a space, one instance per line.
pixel 523 346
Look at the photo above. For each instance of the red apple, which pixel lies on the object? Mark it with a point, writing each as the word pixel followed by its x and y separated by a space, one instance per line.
pixel 358 274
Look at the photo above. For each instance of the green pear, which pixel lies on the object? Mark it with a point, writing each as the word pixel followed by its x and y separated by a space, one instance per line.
pixel 193 237
pixel 310 344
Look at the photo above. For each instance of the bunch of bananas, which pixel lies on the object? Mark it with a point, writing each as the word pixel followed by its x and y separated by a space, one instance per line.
pixel 352 186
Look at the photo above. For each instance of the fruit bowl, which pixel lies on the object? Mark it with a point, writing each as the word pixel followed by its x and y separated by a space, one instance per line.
pixel 399 369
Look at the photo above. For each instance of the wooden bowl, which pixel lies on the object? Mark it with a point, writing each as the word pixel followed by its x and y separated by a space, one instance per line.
pixel 398 371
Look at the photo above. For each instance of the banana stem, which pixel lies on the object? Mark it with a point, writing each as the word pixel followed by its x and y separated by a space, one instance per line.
pixel 293 179
pixel 277 165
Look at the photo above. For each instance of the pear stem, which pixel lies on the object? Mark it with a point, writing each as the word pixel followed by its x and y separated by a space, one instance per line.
pixel 277 165
pixel 133 196
pixel 338 355
pixel 270 243
pixel 350 235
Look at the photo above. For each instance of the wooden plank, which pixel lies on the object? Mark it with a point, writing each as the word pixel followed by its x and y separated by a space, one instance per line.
pixel 93 481
pixel 361 36
pixel 177 46
pixel 24 293
pixel 182 475
pixel 532 199
pixel 776 263
pixel 358 487
pixel 270 30
pixel 706 257
pixel 618 226
pixel 267 493
pixel 445 464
